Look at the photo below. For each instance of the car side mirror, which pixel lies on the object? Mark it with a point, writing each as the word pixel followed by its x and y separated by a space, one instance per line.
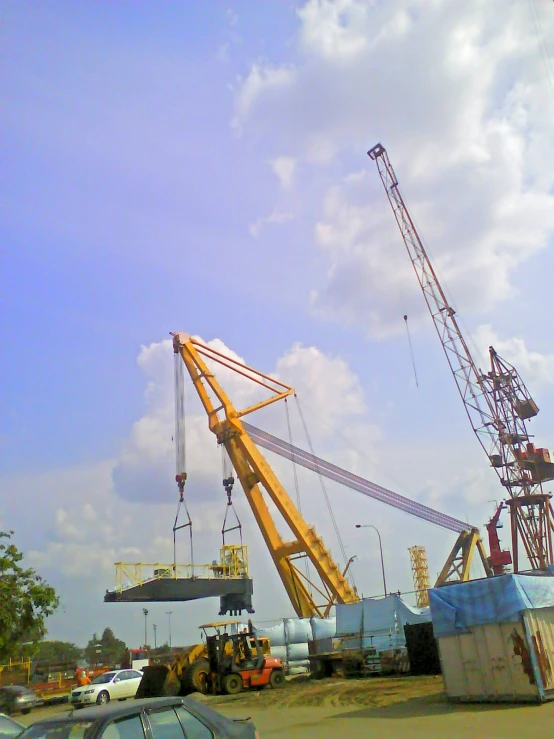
pixel 116 679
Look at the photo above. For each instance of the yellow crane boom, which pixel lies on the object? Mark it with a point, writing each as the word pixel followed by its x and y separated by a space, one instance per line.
pixel 255 475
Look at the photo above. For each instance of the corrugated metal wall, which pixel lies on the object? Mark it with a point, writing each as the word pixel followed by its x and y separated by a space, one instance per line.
pixel 491 662
pixel 540 626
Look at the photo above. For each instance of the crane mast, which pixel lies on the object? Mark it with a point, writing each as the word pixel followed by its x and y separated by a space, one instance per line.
pixel 497 403
pixel 255 474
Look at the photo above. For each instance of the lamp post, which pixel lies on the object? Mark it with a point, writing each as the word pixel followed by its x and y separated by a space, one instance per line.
pixel 145 611
pixel 370 526
pixel 168 614
pixel 155 637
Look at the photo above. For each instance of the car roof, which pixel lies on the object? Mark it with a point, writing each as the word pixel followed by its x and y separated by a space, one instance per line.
pixel 115 710
pixel 15 688
pixel 95 713
pixel 9 718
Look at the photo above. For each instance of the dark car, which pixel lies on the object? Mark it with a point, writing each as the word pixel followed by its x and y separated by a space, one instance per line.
pixel 145 718
pixel 14 698
pixel 9 728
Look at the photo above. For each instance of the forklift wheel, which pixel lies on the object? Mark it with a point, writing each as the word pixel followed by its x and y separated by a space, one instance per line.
pixel 277 679
pixel 232 684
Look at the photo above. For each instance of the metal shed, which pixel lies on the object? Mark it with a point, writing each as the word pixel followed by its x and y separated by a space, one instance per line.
pixel 496 638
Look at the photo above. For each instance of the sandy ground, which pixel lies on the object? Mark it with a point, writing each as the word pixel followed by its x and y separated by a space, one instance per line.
pixel 303 692
pixel 375 707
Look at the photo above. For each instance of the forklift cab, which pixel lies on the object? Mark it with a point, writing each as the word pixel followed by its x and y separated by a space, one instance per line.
pixel 234 652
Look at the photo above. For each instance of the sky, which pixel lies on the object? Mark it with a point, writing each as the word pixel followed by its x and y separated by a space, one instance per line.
pixel 202 167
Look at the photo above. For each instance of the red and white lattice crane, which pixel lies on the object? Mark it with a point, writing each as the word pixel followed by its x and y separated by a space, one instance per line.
pixel 497 403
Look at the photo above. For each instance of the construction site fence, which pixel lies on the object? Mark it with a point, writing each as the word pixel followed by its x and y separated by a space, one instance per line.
pixel 15 670
pixel 22 663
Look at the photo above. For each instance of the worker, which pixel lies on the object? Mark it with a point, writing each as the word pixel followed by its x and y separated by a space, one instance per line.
pixel 244 651
pixel 82 677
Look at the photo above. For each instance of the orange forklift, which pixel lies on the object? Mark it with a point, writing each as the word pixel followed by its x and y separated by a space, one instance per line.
pixel 222 663
pixel 237 661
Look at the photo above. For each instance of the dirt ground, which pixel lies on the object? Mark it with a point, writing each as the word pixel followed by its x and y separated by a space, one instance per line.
pixel 302 692
pixel 374 708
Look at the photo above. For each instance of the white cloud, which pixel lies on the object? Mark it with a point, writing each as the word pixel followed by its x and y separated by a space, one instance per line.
pixel 259 80
pixel 232 17
pixel 276 217
pixel 334 30
pixel 222 54
pixel 284 169
pixel 314 374
pixel 460 99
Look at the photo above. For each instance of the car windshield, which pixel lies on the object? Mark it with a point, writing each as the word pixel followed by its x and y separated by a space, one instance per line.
pixel 58 730
pixel 9 728
pixel 105 677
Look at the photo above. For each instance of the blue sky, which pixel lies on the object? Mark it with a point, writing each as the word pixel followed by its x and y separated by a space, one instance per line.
pixel 202 167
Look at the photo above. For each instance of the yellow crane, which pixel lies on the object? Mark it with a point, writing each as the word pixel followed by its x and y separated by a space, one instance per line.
pixel 255 474
pixel 241 441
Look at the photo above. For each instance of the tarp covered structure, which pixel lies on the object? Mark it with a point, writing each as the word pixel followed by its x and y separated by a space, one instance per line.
pixel 454 609
pixel 378 623
pixel 382 614
pixel 289 638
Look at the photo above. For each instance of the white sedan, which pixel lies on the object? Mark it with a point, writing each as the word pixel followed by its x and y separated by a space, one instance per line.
pixel 113 685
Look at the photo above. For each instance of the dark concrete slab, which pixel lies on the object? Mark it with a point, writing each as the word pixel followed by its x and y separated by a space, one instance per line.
pixel 235 595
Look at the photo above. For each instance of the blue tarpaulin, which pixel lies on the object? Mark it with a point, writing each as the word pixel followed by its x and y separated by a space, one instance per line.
pixel 455 608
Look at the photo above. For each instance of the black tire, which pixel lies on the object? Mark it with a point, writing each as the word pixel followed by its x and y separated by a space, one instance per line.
pixel 232 684
pixel 277 679
pixel 25 711
pixel 195 678
pixel 103 698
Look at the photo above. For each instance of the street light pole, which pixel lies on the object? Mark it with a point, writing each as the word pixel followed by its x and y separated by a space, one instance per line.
pixel 370 526
pixel 155 638
pixel 145 611
pixel 168 613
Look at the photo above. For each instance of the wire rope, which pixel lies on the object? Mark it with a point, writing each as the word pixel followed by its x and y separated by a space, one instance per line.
pixel 297 490
pixel 324 489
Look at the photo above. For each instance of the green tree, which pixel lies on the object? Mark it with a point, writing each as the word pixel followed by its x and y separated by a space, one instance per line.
pixel 57 652
pixel 106 650
pixel 26 600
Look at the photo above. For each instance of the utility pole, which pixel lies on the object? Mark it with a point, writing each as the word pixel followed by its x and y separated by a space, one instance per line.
pixel 370 526
pixel 145 611
pixel 155 638
pixel 168 614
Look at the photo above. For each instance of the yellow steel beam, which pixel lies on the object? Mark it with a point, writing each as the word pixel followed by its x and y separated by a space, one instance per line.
pixel 255 473
pixel 457 566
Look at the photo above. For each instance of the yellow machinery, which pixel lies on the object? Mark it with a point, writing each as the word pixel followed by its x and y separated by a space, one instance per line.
pixel 187 671
pixel 256 474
